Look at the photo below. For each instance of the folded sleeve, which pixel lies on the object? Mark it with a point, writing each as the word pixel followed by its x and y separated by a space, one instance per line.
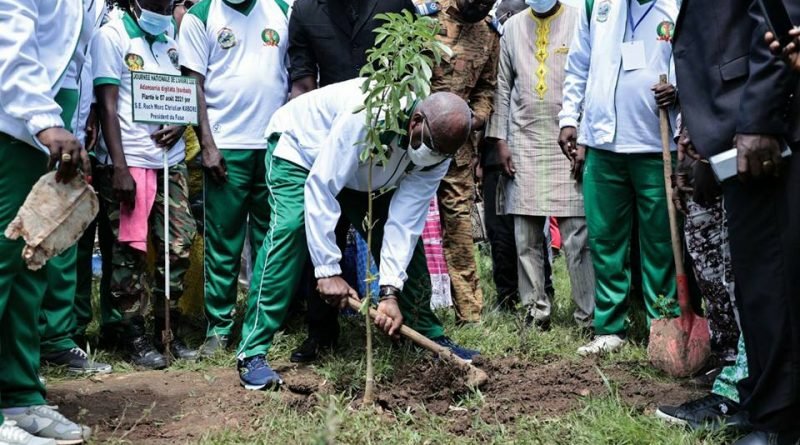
pixel 26 90
pixel 408 211
pixel 337 162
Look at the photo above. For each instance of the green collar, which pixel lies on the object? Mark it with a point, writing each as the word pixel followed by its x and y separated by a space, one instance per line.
pixel 134 30
pixel 244 7
pixel 644 2
pixel 389 136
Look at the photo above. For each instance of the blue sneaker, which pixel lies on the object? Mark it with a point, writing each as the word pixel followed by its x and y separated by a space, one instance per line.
pixel 255 374
pixel 460 351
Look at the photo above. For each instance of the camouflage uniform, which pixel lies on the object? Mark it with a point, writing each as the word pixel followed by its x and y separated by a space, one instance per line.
pixel 128 277
pixel 471 72
pixel 707 242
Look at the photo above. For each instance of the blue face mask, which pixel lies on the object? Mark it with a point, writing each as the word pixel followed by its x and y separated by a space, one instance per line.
pixel 497 25
pixel 153 23
pixel 541 6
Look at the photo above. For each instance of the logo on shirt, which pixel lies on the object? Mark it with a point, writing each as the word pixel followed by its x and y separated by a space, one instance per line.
pixel 270 37
pixel 665 31
pixel 602 11
pixel 226 38
pixel 134 62
pixel 173 57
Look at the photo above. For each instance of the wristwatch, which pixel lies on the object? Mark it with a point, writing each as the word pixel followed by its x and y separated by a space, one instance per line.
pixel 388 292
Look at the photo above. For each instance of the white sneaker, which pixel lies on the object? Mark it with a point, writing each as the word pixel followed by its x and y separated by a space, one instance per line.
pixel 602 344
pixel 11 434
pixel 45 421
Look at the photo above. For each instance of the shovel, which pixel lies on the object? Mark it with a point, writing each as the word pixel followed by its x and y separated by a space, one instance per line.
pixel 475 377
pixel 678 346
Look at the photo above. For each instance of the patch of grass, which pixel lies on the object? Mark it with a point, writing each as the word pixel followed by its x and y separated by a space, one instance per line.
pixel 601 420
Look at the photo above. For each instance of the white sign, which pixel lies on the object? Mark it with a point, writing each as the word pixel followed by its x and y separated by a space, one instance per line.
pixel 164 99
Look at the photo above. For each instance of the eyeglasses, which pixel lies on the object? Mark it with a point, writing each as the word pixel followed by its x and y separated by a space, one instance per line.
pixel 427 126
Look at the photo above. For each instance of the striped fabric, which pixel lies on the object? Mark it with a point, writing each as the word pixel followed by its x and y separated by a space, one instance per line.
pixel 437 265
pixel 533 53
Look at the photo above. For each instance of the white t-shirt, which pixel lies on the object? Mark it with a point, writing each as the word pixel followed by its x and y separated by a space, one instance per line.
pixel 638 129
pixel 243 58
pixel 119 48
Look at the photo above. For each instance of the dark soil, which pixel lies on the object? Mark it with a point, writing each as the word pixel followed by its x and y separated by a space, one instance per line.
pixel 181 406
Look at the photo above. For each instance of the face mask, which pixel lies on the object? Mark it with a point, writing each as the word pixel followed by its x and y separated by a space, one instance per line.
pixel 424 156
pixel 497 25
pixel 153 23
pixel 541 6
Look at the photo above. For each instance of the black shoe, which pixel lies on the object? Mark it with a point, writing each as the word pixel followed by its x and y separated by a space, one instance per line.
pixel 143 354
pixel 309 351
pixel 177 347
pixel 76 361
pixel 180 351
pixel 213 344
pixel 460 351
pixel 542 325
pixel 711 411
pixel 707 378
pixel 764 438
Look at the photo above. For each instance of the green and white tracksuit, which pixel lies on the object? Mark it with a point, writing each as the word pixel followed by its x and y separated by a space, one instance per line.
pixel 60 309
pixel 314 175
pixel 37 51
pixel 241 51
pixel 623 49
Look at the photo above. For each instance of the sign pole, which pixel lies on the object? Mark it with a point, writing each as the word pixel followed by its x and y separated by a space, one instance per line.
pixel 164 99
pixel 167 334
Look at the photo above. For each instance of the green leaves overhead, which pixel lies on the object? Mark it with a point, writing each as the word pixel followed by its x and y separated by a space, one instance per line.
pixel 398 70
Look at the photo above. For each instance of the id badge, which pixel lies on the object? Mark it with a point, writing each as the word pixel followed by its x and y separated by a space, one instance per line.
pixel 633 55
pixel 428 8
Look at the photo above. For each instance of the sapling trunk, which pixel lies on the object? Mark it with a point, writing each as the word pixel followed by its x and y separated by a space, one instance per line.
pixel 369 387
pixel 398 70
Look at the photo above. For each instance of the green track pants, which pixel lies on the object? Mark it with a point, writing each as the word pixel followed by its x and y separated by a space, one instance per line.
pixel 280 259
pixel 614 187
pixel 57 321
pixel 231 209
pixel 21 290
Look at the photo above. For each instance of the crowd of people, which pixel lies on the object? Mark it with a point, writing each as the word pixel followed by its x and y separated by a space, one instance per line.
pixel 551 110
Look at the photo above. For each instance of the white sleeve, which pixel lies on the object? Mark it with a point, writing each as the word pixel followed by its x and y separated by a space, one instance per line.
pixel 337 162
pixel 25 87
pixel 408 211
pixel 576 73
pixel 107 57
pixel 193 48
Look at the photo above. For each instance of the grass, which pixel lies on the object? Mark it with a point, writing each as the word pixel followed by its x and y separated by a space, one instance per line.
pixel 600 420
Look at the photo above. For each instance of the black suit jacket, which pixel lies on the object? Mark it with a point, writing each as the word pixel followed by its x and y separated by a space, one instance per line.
pixel 323 42
pixel 727 80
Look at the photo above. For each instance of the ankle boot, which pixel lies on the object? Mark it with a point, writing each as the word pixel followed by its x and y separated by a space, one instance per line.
pixel 141 350
pixel 178 348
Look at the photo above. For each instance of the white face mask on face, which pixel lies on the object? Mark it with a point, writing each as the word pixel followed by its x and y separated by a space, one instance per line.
pixel 541 6
pixel 153 23
pixel 424 156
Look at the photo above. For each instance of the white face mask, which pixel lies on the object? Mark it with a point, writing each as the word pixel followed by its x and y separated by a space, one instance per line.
pixel 153 23
pixel 424 156
pixel 541 6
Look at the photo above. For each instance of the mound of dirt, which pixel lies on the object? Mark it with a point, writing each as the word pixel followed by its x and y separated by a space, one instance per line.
pixel 164 407
pixel 180 406
pixel 516 388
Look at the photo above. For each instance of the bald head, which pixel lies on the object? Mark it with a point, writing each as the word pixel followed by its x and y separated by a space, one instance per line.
pixel 508 8
pixel 449 121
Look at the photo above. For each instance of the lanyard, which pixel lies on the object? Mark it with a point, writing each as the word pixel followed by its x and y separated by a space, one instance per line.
pixel 641 19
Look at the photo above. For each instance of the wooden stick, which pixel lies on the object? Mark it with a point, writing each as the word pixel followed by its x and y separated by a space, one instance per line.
pixel 476 377
pixel 677 250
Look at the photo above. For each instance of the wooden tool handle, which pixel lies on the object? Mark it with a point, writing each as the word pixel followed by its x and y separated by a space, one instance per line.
pixel 416 337
pixel 677 250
